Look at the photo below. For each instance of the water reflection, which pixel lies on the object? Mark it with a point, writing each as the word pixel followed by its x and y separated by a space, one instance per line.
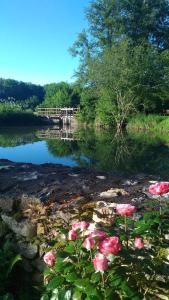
pixel 132 152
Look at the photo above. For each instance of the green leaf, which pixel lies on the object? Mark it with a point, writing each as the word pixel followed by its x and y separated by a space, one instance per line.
pixel 70 248
pixel 71 277
pixel 77 295
pixel 13 262
pixel 96 277
pixel 44 297
pixel 55 282
pixel 65 295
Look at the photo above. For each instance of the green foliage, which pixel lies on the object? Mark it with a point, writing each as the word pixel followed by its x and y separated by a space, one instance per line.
pixel 27 95
pixel 153 123
pixel 19 118
pixel 61 95
pixel 124 60
pixel 8 260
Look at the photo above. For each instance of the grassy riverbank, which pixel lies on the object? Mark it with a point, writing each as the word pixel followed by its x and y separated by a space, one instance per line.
pixel 154 123
pixel 13 118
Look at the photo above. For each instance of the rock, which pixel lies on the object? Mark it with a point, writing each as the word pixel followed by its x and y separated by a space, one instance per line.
pixel 113 192
pixel 7 203
pixel 38 264
pixel 101 177
pixel 27 250
pixel 130 182
pixel 28 176
pixel 7 167
pixel 6 186
pixel 23 228
pixel 26 200
pixel 138 200
pixel 73 175
pixel 3 229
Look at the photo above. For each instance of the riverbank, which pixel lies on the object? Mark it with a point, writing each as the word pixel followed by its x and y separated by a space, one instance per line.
pixel 154 123
pixel 13 118
pixel 61 185
pixel 40 200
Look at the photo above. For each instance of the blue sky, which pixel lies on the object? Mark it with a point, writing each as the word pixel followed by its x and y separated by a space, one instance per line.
pixel 35 36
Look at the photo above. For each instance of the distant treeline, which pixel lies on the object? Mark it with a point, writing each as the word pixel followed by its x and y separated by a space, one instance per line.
pixel 17 95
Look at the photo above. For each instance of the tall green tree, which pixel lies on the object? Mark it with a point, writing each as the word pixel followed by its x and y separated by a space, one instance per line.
pixel 124 59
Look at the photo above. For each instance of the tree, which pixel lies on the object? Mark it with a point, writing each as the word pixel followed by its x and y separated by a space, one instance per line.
pixel 124 59
pixel 57 95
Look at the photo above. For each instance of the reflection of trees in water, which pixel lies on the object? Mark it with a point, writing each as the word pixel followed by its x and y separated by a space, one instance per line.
pixel 62 148
pixel 17 136
pixel 131 152
pixel 107 151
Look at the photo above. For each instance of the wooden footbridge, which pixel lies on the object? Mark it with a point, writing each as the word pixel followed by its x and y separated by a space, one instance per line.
pixel 64 114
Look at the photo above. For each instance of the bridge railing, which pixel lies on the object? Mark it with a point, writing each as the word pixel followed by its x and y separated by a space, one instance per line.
pixel 57 112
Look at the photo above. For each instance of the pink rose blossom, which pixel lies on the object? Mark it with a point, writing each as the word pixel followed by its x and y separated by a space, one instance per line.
pixel 89 243
pixel 138 243
pixel 49 258
pixel 80 225
pixel 100 263
pixel 159 188
pixel 110 245
pixel 98 234
pixel 72 235
pixel 125 209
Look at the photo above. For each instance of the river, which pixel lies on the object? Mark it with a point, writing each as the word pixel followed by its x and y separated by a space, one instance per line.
pixel 103 150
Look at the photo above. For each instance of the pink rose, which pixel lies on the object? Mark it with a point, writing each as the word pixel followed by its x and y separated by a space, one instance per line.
pixel 125 209
pixel 89 243
pixel 159 188
pixel 80 225
pixel 138 243
pixel 49 258
pixel 98 234
pixel 72 235
pixel 110 245
pixel 100 263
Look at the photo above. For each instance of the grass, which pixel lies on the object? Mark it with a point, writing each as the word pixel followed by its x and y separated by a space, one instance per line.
pixel 155 123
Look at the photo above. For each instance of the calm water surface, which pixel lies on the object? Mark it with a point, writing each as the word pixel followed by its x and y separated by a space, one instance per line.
pixel 131 153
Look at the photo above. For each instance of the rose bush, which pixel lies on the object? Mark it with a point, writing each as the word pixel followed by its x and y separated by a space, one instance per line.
pixel 114 262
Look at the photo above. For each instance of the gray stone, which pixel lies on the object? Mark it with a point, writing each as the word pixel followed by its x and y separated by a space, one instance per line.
pixel 7 203
pixel 130 182
pixel 27 250
pixel 3 229
pixel 38 264
pixel 23 228
pixel 113 192
pixel 101 177
pixel 28 176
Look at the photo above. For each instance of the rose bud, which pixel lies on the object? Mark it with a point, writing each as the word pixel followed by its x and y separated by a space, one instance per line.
pixel 98 234
pixel 159 188
pixel 89 243
pixel 125 209
pixel 138 243
pixel 49 258
pixel 110 245
pixel 80 225
pixel 100 263
pixel 72 235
